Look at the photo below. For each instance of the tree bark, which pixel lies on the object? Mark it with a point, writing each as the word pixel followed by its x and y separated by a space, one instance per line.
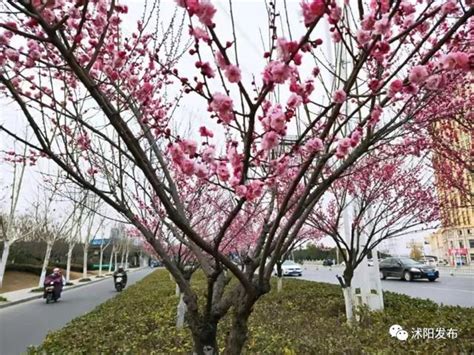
pixel 68 263
pixel 180 312
pixel 349 303
pixel 49 247
pixel 111 259
pixel 122 258
pixel 3 261
pixel 279 284
pixel 84 261
pixel 348 293
pixel 239 331
pixel 100 260
pixel 205 341
pixel 115 259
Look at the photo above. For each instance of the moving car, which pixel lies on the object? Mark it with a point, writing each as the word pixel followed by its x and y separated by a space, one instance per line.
pixel 407 269
pixel 328 262
pixel 290 268
pixel 155 263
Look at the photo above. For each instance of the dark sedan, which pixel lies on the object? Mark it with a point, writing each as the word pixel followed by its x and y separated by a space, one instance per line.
pixel 407 269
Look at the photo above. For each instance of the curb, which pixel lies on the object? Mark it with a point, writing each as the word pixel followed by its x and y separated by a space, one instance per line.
pixel 79 284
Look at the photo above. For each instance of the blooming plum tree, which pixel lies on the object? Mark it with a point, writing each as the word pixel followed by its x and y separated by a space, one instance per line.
pixel 99 102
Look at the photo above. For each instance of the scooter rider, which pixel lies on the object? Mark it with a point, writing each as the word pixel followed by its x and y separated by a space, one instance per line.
pixel 121 272
pixel 58 280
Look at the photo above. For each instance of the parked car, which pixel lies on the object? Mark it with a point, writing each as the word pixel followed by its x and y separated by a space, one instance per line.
pixel 327 262
pixel 155 263
pixel 407 269
pixel 289 268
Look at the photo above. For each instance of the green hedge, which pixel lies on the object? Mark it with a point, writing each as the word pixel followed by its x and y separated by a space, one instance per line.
pixel 306 318
pixel 36 269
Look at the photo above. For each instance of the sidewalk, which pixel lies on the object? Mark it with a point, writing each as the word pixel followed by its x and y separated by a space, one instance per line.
pixel 24 295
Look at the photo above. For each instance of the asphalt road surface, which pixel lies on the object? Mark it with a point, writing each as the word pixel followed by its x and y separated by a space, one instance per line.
pixel 447 290
pixel 28 323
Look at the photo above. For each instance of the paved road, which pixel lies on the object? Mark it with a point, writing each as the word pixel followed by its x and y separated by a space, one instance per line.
pixel 28 323
pixel 448 290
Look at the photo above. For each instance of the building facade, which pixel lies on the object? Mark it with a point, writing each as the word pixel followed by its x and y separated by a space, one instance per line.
pixel 454 172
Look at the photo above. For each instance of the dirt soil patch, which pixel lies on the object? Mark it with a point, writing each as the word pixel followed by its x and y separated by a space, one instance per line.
pixel 16 280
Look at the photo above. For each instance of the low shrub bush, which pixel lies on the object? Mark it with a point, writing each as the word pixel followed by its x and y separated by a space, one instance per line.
pixel 305 318
pixel 36 269
pixel 86 279
pixel 38 289
pixel 3 299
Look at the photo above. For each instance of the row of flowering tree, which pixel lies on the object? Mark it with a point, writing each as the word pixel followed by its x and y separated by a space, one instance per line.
pixel 104 106
pixel 380 198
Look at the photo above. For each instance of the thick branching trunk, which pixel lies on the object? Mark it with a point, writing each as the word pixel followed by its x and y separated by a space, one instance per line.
pixel 239 331
pixel 3 261
pixel 205 341
pixel 47 256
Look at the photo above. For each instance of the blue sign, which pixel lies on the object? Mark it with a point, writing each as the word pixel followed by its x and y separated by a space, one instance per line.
pixel 99 241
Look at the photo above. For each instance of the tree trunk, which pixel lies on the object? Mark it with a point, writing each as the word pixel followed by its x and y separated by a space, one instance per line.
pixel 84 261
pixel 122 257
pixel 126 260
pixel 239 331
pixel 349 303
pixel 205 341
pixel 115 258
pixel 348 294
pixel 280 284
pixel 68 263
pixel 49 247
pixel 177 290
pixel 111 259
pixel 3 261
pixel 100 260
pixel 181 312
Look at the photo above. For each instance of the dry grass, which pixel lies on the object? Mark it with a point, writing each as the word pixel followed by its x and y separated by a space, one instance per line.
pixel 17 280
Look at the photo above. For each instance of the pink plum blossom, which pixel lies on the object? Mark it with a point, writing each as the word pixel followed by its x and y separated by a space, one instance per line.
pixel 382 26
pixel 232 73
pixel 315 145
pixel 223 172
pixel 339 96
pixel 204 132
pixel 294 101
pixel 312 9
pixel 277 72
pixel 277 119
pixel 418 74
pixel 223 106
pixel 187 166
pixel 395 87
pixel 270 140
pixel 363 37
pixel 208 154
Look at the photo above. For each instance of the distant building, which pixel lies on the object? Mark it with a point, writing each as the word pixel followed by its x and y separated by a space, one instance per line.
pixel 455 240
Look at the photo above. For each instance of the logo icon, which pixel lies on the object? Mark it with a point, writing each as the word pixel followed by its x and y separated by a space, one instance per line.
pixel 398 332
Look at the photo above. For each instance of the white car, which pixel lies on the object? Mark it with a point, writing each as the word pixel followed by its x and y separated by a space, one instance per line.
pixel 290 268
